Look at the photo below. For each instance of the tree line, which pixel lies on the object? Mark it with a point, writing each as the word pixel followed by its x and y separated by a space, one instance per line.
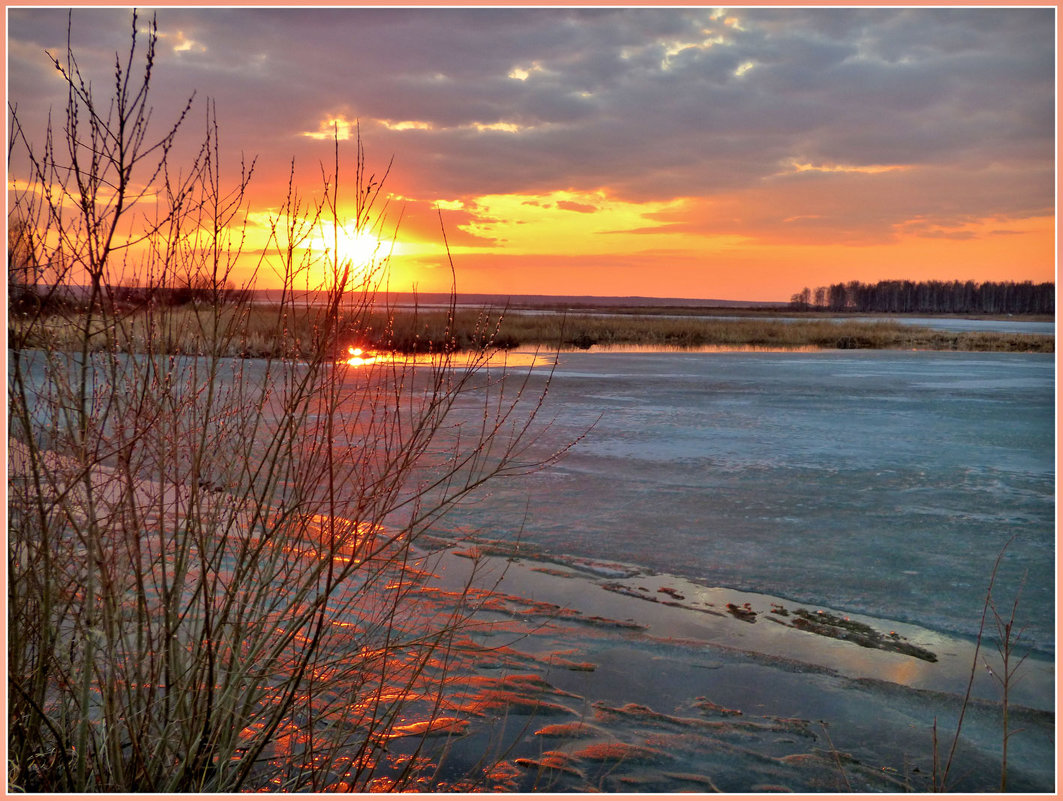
pixel 930 297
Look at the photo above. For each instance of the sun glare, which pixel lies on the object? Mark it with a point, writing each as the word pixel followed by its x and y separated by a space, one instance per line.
pixel 360 249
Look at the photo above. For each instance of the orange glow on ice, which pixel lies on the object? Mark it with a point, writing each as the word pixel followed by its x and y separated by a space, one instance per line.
pixel 360 357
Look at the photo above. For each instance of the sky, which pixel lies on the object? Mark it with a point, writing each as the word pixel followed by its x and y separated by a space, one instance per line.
pixel 694 152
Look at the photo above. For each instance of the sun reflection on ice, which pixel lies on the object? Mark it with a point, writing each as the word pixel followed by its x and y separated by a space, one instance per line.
pixel 360 357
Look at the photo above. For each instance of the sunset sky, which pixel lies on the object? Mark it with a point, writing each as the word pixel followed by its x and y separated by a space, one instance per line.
pixel 684 152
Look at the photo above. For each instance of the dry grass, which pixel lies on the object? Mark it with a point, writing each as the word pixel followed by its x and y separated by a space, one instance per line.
pixel 268 331
pixel 585 330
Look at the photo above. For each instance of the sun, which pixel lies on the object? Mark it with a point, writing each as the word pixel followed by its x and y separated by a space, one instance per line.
pixel 362 251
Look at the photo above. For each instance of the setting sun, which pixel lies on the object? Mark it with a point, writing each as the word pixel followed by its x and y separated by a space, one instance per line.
pixel 697 166
pixel 362 250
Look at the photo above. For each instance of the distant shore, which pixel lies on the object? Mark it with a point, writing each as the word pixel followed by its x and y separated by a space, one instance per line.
pixel 747 328
pixel 435 328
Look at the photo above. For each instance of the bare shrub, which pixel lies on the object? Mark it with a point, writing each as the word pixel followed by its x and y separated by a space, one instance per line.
pixel 213 562
pixel 1008 644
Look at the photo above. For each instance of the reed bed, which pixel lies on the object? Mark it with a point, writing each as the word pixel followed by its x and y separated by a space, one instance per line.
pixel 586 330
pixel 252 331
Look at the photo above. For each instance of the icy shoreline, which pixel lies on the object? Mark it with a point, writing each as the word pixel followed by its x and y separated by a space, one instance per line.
pixel 742 620
pixel 665 665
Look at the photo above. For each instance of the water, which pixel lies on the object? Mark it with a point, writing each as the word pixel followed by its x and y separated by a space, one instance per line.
pixel 947 323
pixel 877 482
pixel 884 483
pixel 880 485
pixel 944 323
pixel 1008 326
pixel 873 483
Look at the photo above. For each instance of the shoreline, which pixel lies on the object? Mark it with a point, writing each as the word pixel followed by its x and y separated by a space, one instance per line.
pixel 676 608
pixel 630 675
pixel 471 330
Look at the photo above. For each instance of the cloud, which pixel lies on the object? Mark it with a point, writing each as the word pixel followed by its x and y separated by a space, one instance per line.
pixel 645 104
pixel 571 205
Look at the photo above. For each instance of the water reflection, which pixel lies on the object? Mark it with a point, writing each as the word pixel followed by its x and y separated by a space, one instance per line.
pixel 360 357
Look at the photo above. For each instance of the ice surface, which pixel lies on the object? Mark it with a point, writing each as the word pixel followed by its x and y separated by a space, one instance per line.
pixel 878 482
pixel 881 483
pixel 653 688
pixel 946 323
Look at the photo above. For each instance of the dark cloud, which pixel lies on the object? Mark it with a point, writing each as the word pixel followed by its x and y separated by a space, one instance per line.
pixel 645 104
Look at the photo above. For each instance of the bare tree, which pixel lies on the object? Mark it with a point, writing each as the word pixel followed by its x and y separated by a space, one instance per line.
pixel 213 561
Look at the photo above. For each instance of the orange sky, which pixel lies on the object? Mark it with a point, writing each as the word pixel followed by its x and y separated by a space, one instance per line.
pixel 689 152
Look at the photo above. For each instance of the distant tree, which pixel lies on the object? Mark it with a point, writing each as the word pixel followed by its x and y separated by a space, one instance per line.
pixel 837 298
pixel 802 300
pixel 933 297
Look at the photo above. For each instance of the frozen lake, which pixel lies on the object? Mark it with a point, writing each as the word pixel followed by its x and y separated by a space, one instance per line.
pixel 877 482
pixel 1009 326
pixel 882 483
pixel 945 323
